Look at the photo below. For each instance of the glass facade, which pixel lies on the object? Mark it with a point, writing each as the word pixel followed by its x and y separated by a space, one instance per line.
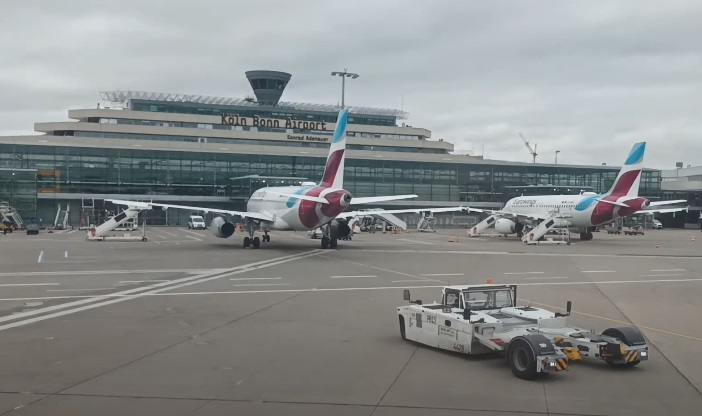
pixel 18 187
pixel 162 172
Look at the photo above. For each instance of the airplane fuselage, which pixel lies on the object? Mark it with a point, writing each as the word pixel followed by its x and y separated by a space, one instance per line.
pixel 580 211
pixel 294 214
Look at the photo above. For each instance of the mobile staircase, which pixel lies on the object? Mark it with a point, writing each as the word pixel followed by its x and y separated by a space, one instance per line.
pixel 130 214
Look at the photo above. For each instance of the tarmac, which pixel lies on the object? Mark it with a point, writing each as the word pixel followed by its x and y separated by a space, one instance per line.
pixel 189 324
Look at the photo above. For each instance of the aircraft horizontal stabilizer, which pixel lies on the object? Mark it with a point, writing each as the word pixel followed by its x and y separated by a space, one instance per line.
pixel 303 197
pixel 374 199
pixel 619 204
pixel 677 201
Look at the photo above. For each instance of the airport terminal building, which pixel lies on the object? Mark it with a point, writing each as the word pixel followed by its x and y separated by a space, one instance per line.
pixel 216 151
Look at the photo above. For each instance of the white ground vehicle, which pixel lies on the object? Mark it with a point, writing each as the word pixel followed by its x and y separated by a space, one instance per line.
pixel 485 319
pixel 196 222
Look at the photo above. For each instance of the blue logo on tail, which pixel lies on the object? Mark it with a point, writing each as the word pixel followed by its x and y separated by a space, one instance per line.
pixel 292 200
pixel 586 203
pixel 340 130
pixel 637 154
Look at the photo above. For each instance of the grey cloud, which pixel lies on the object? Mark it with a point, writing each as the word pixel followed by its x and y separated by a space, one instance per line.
pixel 587 78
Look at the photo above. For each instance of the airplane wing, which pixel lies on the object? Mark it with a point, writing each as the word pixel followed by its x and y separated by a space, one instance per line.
pixel 351 214
pixel 150 205
pixel 661 210
pixel 374 199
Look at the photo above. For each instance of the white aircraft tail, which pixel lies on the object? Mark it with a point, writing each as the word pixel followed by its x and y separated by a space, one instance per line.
pixel 629 177
pixel 334 170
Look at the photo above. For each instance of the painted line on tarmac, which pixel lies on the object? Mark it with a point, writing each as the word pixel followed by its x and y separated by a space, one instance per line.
pixel 343 289
pixel 80 305
pixel 547 277
pixel 257 278
pixel 661 275
pixel 263 284
pixel 193 238
pixel 668 270
pixel 532 254
pixel 518 273
pixel 354 276
pixel 386 270
pixel 617 321
pixel 193 233
pixel 27 284
pixel 76 272
pixel 441 274
pixel 598 271
pixel 416 241
pixel 41 256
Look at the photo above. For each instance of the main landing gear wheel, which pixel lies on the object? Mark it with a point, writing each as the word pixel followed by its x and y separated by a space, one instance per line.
pixel 325 242
pixel 252 242
pixel 586 236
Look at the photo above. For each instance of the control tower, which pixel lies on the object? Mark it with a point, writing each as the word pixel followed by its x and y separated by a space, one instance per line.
pixel 268 85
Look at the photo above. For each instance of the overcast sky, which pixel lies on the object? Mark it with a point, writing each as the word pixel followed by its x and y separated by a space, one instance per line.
pixel 588 78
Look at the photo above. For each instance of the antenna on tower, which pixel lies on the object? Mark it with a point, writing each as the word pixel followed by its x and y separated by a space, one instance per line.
pixel 532 151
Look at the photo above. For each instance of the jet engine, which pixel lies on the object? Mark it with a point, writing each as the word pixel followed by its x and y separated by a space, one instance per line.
pixel 339 229
pixel 221 227
pixel 505 226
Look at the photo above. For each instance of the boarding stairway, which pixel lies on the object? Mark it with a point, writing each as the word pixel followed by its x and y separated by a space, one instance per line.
pixel 552 223
pixel 62 216
pixel 369 219
pixel 477 229
pixel 128 215
pixel 8 213
pixel 425 223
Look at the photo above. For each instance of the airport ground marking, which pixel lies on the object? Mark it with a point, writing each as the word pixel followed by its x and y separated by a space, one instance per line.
pixel 416 241
pixel 668 270
pixel 41 256
pixel 385 270
pixel 262 284
pixel 257 278
pixel 193 233
pixel 532 254
pixel 353 276
pixel 27 284
pixel 89 302
pixel 193 238
pixel 661 275
pixel 343 289
pixel 108 272
pixel 598 271
pixel 519 273
pixel 441 274
pixel 616 321
pixel 547 277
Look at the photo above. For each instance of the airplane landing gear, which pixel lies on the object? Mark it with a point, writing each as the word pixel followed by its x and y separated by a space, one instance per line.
pixel 586 236
pixel 252 241
pixel 327 240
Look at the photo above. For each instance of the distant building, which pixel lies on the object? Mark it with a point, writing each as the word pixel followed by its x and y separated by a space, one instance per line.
pixel 194 149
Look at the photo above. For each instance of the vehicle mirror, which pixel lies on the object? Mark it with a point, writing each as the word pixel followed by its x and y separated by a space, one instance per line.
pixel 406 294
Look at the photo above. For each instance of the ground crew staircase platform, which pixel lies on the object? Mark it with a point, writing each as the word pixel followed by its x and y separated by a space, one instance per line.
pixel 483 225
pixel 100 232
pixel 535 235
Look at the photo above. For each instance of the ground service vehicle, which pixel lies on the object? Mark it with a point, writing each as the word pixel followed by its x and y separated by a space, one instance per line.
pixel 485 319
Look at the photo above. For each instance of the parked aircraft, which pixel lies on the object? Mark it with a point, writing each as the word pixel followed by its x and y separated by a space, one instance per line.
pixel 581 213
pixel 298 208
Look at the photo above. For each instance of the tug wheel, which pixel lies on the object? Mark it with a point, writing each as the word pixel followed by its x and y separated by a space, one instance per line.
pixel 522 361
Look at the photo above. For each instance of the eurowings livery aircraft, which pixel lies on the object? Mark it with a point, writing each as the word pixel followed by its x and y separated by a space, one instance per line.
pixel 583 212
pixel 299 208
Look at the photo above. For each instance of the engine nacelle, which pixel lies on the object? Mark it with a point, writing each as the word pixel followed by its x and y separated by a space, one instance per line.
pixel 222 228
pixel 505 226
pixel 340 229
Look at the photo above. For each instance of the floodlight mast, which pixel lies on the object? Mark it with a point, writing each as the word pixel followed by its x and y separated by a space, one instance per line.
pixel 343 76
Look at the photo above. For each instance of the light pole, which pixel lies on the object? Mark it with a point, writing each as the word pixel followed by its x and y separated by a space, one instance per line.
pixel 557 152
pixel 343 76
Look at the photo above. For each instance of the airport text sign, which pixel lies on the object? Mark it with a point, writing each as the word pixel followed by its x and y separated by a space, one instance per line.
pixel 231 119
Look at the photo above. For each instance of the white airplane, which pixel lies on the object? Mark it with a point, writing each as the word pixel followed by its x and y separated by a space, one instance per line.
pixel 298 208
pixel 583 212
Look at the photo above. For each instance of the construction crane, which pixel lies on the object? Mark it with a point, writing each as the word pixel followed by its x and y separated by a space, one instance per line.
pixel 532 151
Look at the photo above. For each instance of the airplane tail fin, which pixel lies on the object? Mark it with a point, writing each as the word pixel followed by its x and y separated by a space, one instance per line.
pixel 334 169
pixel 629 177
